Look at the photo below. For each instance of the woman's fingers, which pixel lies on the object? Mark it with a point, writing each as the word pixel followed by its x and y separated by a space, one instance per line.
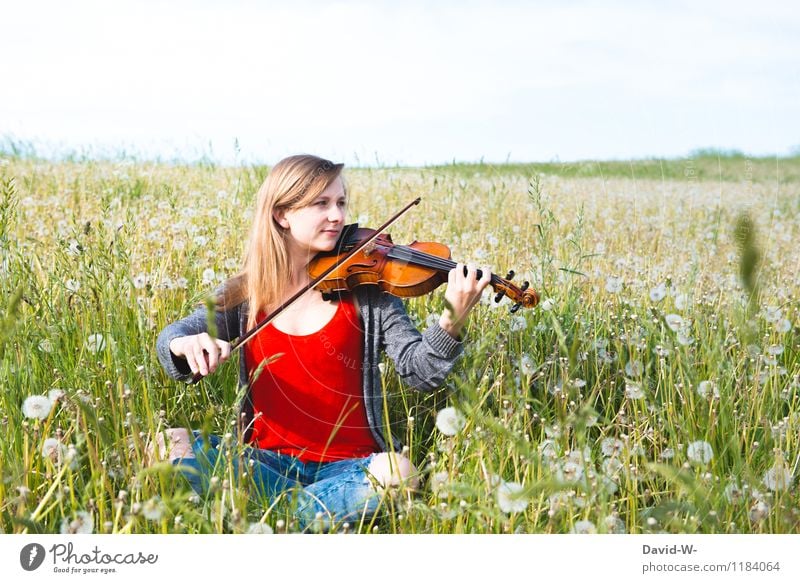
pixel 226 350
pixel 203 353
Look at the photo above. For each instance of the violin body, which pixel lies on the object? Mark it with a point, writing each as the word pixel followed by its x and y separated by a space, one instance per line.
pixel 380 263
pixel 401 270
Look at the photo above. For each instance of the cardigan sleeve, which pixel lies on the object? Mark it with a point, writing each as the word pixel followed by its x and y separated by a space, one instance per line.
pixel 423 360
pixel 227 323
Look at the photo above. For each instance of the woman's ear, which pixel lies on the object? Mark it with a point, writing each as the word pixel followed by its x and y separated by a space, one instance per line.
pixel 279 216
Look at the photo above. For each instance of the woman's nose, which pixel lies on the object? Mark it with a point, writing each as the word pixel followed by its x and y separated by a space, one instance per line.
pixel 336 214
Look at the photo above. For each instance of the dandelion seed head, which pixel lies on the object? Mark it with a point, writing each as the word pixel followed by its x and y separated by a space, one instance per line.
pixel 259 528
pixel 81 523
pixel 614 525
pixel 759 511
pixel 699 452
pixel 53 449
pixel 510 497
pixel 584 527
pixel 634 368
pixel 633 390
pixel 518 323
pixel 37 407
pixel 611 446
pixel 674 322
pixel 153 509
pixel 97 343
pixel 614 285
pixel 778 478
pixel 450 421
pixel 526 364
pixel 708 389
pixel 658 293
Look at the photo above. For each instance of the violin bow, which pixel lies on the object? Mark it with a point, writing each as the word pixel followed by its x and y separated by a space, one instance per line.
pixel 253 331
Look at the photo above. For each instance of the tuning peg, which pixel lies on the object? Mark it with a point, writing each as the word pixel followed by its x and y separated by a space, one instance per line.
pixel 525 286
pixel 516 307
pixel 510 275
pixel 499 296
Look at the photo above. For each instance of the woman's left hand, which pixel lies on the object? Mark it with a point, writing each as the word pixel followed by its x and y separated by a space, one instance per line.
pixel 463 292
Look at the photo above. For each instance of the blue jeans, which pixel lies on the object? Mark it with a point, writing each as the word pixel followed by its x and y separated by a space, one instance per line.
pixel 321 493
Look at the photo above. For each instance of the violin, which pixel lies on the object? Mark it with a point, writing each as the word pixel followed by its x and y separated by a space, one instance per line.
pixel 401 270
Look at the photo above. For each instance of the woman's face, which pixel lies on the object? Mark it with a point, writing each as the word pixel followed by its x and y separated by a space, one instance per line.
pixel 316 227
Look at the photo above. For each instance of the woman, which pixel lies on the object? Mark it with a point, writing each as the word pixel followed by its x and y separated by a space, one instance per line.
pixel 313 409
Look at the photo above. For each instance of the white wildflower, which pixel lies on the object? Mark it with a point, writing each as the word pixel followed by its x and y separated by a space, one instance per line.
pixel 772 314
pixel 46 346
pixel 570 471
pixel 775 350
pixel 612 466
pixel 72 285
pixel 526 365
pixel 97 343
pixel 708 388
pixel 208 276
pixel 700 452
pixel 510 497
pixel 614 525
pixel 53 449
pixel 584 527
pixel 778 477
pixel 614 285
pixel 81 523
pixel 140 281
pixel 684 338
pixel 659 292
pixel 733 493
pixel 667 454
pixel 55 394
pixel 36 407
pixel 74 248
pixel 674 321
pixel 758 511
pixel 611 446
pixel 680 301
pixel 153 509
pixel 518 323
pixel 661 351
pixel 634 368
pixel 548 304
pixel 783 325
pixel 548 449
pixel 450 421
pixel 259 528
pixel 439 482
pixel 633 390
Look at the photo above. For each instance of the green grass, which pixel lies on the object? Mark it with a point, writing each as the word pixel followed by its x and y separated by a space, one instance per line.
pixel 101 247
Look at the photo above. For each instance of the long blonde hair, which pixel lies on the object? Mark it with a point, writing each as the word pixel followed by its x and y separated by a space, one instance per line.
pixel 293 183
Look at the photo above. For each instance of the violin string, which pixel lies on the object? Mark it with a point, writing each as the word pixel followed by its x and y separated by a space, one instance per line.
pixel 427 260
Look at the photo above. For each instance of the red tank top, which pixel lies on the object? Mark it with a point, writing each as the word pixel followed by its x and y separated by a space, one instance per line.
pixel 308 403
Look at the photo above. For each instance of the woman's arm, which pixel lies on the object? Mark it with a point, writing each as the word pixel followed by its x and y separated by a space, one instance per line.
pixel 177 367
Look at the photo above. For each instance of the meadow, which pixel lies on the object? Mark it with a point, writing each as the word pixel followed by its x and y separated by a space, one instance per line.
pixel 655 389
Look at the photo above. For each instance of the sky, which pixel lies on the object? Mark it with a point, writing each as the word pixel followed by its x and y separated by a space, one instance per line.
pixel 400 83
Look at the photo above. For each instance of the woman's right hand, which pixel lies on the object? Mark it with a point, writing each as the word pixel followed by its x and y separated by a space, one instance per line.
pixel 202 352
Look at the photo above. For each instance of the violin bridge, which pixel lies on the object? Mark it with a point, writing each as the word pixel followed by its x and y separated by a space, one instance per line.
pixel 369 248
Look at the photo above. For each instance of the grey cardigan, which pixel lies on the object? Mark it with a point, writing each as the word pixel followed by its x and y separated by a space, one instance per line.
pixel 422 360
